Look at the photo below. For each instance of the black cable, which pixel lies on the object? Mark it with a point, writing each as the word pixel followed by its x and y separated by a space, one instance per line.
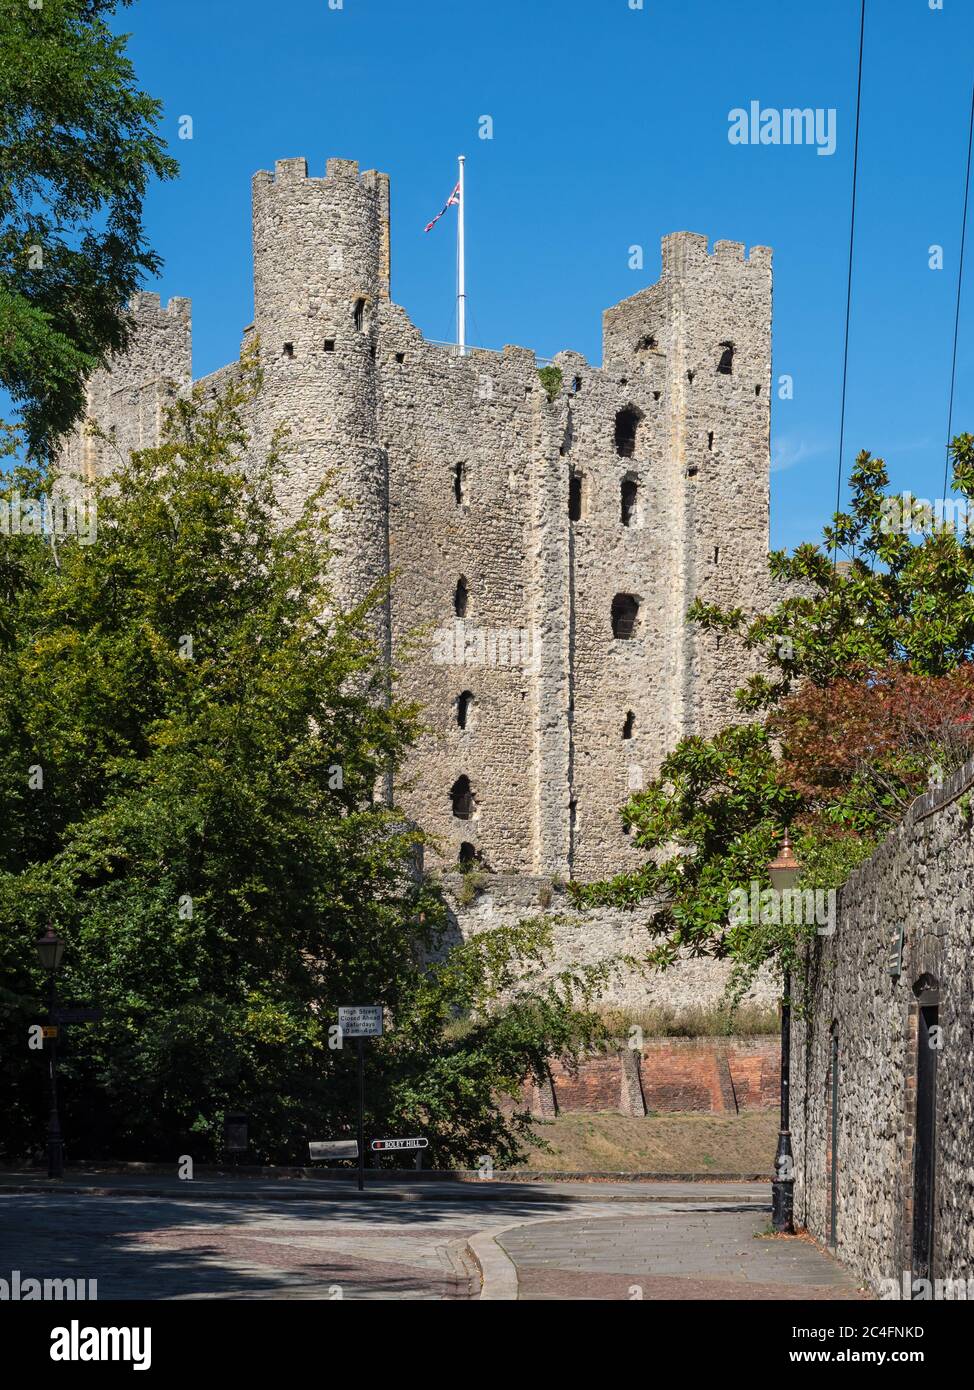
pixel 960 281
pixel 848 301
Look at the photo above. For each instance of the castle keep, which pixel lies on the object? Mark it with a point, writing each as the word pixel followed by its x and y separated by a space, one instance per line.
pixel 547 548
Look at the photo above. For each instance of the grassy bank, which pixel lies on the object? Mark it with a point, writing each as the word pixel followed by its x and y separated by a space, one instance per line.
pixel 659 1143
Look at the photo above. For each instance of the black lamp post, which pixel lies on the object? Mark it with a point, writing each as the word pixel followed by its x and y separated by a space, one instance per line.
pixel 784 872
pixel 50 953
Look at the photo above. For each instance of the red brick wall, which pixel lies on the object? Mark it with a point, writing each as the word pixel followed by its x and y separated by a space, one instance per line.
pixel 714 1075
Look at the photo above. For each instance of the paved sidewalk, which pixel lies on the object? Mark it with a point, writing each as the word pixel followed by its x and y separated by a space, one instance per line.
pixel 672 1253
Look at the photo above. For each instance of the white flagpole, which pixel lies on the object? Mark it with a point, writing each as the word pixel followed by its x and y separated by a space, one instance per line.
pixel 461 272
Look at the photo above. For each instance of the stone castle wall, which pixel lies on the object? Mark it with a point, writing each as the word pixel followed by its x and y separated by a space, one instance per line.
pixel 594 936
pixel 646 478
pixel 868 1000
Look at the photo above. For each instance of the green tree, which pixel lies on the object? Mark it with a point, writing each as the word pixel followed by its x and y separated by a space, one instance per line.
pixel 78 148
pixel 192 735
pixel 897 600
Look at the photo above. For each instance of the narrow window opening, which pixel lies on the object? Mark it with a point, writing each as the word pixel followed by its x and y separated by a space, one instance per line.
pixel 690 377
pixel 623 381
pixel 464 709
pixel 656 395
pixel 630 494
pixel 647 344
pixel 710 440
pixel 329 345
pixel 629 725
pixel 726 364
pixel 288 349
pixel 757 390
pixel 460 483
pixel 692 471
pixel 462 799
pixel 400 358
pixel 716 554
pixel 627 423
pixel 461 597
pixel 575 497
pixel 576 385
pixel 359 314
pixel 625 613
pixel 467 858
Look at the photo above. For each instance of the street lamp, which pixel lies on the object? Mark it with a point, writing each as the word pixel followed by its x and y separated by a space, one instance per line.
pixel 784 871
pixel 50 953
pixel 50 950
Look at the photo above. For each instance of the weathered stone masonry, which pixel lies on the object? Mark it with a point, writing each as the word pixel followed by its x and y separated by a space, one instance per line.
pixel 531 524
pixel 869 1019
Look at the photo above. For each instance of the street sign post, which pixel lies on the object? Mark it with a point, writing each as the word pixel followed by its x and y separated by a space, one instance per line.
pixel 385 1144
pixel 361 1021
pixel 333 1148
pixel 77 1015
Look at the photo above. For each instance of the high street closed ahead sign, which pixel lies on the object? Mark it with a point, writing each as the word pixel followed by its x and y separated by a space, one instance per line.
pixel 361 1021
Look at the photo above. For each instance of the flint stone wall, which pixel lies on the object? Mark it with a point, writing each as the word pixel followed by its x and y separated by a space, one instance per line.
pixel 594 935
pixel 921 879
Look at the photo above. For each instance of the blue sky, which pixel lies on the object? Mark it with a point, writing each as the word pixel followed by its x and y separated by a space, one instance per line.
pixel 610 129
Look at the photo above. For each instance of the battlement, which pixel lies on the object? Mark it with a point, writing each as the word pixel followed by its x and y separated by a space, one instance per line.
pixel 290 171
pixel 683 250
pixel 704 299
pixel 146 304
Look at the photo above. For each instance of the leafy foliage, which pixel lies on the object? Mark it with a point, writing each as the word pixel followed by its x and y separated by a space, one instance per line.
pixel 211 730
pixel 709 823
pixel 78 148
pixel 860 750
pixel 896 600
pixel 551 380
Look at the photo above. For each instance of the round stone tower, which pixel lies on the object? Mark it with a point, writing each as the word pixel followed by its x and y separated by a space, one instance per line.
pixel 321 267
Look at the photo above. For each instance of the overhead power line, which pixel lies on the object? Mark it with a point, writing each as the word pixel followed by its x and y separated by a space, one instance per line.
pixel 848 301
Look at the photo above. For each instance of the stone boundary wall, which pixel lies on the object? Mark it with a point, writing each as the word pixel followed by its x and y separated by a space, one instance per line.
pixel 594 935
pixel 920 880
pixel 716 1076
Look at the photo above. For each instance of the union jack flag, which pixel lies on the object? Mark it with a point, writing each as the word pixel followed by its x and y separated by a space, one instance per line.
pixel 452 201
